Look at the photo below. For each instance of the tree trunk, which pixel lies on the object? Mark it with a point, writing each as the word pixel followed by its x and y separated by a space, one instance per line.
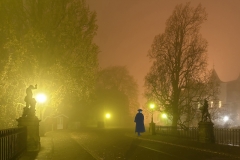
pixel 175 120
pixel 175 117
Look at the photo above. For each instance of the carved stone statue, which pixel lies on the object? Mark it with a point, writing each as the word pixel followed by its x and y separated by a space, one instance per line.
pixel 30 121
pixel 205 114
pixel 30 101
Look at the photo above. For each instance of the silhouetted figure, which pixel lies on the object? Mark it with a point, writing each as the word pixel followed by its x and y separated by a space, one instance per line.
pixel 30 101
pixel 205 114
pixel 139 120
pixel 29 95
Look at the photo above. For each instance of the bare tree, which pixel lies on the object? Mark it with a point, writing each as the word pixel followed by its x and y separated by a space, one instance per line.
pixel 177 80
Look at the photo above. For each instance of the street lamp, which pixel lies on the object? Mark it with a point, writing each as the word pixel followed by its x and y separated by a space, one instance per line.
pixel 41 98
pixel 152 106
pixel 152 125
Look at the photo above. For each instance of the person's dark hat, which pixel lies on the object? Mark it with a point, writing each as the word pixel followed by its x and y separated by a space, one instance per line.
pixel 139 109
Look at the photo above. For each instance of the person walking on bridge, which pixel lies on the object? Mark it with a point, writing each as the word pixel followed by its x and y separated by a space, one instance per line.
pixel 139 120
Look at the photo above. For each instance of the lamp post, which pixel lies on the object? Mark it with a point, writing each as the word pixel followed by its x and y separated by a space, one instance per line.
pixel 41 98
pixel 152 125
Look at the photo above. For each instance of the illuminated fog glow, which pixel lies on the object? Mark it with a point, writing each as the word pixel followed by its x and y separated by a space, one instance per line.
pixel 164 115
pixel 41 98
pixel 226 118
pixel 108 115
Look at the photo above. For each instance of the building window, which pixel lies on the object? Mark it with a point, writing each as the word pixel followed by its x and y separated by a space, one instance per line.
pixel 211 104
pixel 220 104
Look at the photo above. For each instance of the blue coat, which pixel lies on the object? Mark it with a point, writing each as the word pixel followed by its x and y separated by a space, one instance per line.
pixel 139 120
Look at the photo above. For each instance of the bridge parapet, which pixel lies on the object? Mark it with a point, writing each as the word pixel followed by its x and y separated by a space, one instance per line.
pixel 13 142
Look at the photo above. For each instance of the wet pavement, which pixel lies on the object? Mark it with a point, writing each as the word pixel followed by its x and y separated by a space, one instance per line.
pixel 123 144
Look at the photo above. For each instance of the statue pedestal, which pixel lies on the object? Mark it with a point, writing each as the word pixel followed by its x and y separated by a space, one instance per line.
pixel 205 132
pixel 32 124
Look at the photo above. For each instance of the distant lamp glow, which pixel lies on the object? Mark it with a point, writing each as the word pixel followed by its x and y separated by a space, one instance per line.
pixel 220 104
pixel 199 104
pixel 164 115
pixel 41 98
pixel 152 106
pixel 107 115
pixel 225 118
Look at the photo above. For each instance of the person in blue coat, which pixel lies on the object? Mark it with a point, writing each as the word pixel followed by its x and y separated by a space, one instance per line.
pixel 139 120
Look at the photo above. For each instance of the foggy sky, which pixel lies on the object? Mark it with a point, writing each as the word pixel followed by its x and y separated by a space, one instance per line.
pixel 127 28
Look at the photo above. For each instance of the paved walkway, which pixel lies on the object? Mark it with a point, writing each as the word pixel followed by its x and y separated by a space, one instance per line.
pixel 58 146
pixel 89 145
pixel 45 153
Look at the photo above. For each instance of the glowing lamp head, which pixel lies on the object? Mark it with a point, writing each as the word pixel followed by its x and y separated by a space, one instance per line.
pixel 107 115
pixel 41 98
pixel 152 106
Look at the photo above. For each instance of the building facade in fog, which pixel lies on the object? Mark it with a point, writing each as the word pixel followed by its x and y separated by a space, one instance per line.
pixel 229 99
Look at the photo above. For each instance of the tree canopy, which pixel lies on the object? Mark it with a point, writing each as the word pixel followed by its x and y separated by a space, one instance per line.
pixel 118 91
pixel 178 78
pixel 49 43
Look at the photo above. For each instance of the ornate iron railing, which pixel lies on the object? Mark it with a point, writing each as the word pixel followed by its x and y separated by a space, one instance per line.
pixel 190 133
pixel 13 142
pixel 223 136
pixel 227 136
